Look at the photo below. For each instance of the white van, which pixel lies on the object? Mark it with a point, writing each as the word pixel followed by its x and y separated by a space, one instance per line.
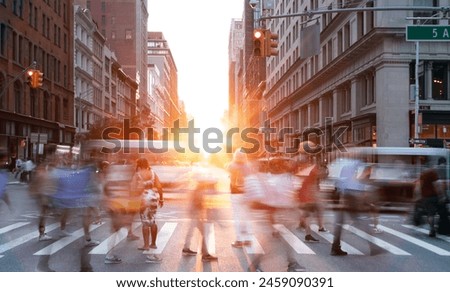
pixel 394 170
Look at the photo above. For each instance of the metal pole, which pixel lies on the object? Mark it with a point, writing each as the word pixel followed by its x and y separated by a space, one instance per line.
pixel 416 95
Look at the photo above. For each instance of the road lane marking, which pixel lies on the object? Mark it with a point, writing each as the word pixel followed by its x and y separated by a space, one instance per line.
pixel 65 241
pixel 27 237
pixel 381 243
pixel 13 226
pixel 426 231
pixel 415 241
pixel 298 245
pixel 113 240
pixel 163 238
pixel 345 246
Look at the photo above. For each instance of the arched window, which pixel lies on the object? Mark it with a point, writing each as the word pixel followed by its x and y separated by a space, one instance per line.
pixel 47 106
pixel 18 99
pixel 34 103
pixel 3 93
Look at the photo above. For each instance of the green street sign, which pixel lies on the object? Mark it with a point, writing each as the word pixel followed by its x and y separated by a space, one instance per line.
pixel 435 33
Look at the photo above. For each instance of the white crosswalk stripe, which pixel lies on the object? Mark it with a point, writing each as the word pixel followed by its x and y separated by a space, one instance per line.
pixel 415 241
pixel 298 245
pixel 379 242
pixel 164 235
pixel 345 246
pixel 168 230
pixel 426 231
pixel 13 226
pixel 25 238
pixel 65 241
pixel 113 240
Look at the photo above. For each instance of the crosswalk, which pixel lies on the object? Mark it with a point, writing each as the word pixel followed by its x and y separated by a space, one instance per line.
pixel 395 239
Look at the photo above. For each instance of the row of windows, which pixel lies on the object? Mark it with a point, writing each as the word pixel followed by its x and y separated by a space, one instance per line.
pixel 315 113
pixel 18 8
pixel 37 105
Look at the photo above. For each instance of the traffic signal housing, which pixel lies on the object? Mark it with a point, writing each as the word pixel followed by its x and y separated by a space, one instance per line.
pixel 39 78
pixel 30 75
pixel 35 78
pixel 270 43
pixel 259 43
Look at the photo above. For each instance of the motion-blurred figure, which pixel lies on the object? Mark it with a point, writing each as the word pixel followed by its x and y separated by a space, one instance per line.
pixel 203 185
pixel 354 194
pixel 239 168
pixel 120 206
pixel 42 187
pixel 433 200
pixel 273 193
pixel 4 177
pixel 144 180
pixel 309 196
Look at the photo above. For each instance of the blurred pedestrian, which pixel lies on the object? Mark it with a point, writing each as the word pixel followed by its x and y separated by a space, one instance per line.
pixel 239 168
pixel 273 194
pixel 77 189
pixel 4 178
pixel 12 163
pixel 118 204
pixel 27 168
pixel 430 192
pixel 354 194
pixel 144 182
pixel 203 185
pixel 308 196
pixel 42 188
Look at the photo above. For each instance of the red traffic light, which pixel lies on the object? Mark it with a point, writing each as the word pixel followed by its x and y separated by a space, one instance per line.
pixel 258 43
pixel 35 78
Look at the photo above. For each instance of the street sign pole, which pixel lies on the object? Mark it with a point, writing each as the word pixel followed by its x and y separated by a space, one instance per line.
pixel 416 94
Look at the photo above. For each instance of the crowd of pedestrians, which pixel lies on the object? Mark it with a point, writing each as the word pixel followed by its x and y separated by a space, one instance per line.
pixel 68 186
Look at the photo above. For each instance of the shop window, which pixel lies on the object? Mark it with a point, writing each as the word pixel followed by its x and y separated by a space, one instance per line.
pixel 443 131
pixel 428 131
pixel 439 81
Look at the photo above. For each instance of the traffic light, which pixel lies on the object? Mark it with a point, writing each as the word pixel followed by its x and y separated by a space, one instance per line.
pixel 35 78
pixel 39 78
pixel 258 43
pixel 271 43
pixel 30 75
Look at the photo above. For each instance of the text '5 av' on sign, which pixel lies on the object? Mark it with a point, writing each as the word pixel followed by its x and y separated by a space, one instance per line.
pixel 436 33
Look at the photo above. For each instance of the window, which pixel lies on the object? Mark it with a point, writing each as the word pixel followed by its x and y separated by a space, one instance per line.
pixel 367 89
pixel 128 34
pixel 345 98
pixel 33 103
pixel 2 39
pixel 433 79
pixel 425 3
pixel 18 7
pixel 18 97
pixel 439 81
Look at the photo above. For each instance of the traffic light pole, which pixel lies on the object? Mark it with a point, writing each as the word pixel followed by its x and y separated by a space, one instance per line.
pixel 33 65
pixel 444 10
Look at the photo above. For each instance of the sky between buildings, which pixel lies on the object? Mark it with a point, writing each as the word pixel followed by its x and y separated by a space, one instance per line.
pixel 198 32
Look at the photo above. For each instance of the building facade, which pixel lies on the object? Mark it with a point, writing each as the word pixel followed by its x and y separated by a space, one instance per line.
pixel 358 88
pixel 36 35
pixel 160 56
pixel 124 25
pixel 102 88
